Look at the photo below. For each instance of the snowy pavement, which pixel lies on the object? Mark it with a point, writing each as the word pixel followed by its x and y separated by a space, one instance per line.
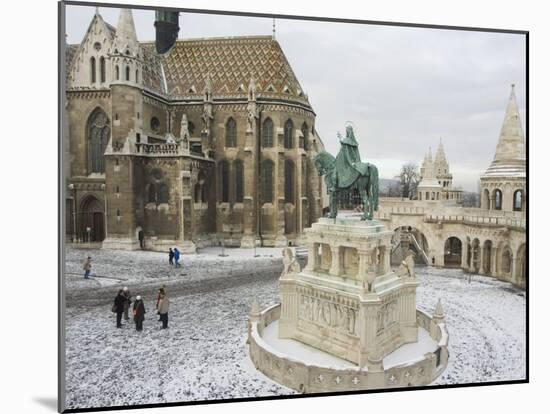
pixel 203 354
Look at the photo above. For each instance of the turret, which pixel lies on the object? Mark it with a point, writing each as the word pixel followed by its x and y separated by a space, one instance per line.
pixel 166 30
pixel 127 56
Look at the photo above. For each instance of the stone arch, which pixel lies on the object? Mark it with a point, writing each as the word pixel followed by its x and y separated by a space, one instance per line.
pixel 91 223
pixel 487 257
pixel 517 200
pixel 505 261
pixel 452 253
pixel 497 199
pixel 521 265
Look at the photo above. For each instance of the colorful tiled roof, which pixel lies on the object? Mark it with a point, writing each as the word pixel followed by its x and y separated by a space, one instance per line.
pixel 231 63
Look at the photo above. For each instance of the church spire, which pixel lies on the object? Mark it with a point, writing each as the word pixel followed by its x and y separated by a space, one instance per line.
pixel 511 143
pixel 440 154
pixel 125 36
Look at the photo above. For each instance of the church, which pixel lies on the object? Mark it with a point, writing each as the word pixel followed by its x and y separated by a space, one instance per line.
pixel 210 140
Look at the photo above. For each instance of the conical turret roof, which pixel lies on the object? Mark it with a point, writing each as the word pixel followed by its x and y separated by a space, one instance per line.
pixel 440 154
pixel 509 158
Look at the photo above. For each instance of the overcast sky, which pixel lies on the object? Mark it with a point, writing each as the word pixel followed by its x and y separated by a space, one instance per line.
pixel 403 88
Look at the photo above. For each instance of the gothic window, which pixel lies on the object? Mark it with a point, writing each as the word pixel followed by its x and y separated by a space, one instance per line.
pixel 289 138
pixel 117 72
pixel 127 73
pixel 155 124
pixel 163 193
pixel 267 133
pixel 102 69
pixel 197 192
pixel 137 76
pixel 191 128
pixel 267 181
pixel 92 69
pixel 224 180
pixel 498 200
pixel 518 196
pixel 204 193
pixel 239 181
pixel 304 139
pixel 289 181
pixel 231 133
pixel 99 132
pixel 152 193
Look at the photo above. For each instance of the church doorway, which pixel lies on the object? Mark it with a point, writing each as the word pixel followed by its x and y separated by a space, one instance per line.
pixel 92 221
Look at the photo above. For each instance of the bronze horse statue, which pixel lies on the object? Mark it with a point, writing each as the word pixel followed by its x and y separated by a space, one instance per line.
pixel 345 176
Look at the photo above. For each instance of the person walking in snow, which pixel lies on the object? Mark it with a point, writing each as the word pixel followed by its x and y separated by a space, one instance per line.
pixel 126 294
pixel 87 266
pixel 177 256
pixel 118 307
pixel 171 257
pixel 163 306
pixel 139 313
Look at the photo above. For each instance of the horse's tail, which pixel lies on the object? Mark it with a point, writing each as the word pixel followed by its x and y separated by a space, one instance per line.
pixel 374 186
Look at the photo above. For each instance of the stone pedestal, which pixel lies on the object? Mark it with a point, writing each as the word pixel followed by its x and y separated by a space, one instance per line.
pixel 347 301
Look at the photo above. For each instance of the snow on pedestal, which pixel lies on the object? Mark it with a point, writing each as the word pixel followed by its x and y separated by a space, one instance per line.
pixel 347 301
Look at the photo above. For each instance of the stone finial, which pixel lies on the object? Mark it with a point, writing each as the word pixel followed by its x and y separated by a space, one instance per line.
pixel 439 310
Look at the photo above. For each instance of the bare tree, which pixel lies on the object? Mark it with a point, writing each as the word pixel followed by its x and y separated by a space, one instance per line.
pixel 408 178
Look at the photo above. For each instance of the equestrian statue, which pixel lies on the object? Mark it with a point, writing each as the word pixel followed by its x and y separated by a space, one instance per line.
pixel 346 174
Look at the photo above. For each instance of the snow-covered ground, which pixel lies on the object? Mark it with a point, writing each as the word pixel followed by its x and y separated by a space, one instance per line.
pixel 203 354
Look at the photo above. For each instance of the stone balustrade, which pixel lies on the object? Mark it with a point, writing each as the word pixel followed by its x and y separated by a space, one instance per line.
pixel 307 378
pixel 158 149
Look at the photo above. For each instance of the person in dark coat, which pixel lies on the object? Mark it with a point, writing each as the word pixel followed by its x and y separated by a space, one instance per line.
pixel 87 266
pixel 120 300
pixel 171 257
pixel 126 293
pixel 177 256
pixel 139 313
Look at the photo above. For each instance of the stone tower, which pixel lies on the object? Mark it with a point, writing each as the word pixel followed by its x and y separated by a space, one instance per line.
pixel 428 188
pixel 503 185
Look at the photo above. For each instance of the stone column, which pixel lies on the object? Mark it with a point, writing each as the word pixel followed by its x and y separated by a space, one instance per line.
pixel 472 257
pixel 369 350
pixel 464 262
pixel 364 271
pixel 336 263
pixel 513 273
pixel 494 261
pixel 481 260
pixel 312 256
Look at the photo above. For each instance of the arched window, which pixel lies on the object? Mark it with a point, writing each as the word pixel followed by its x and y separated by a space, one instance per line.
pixel 224 180
pixel 155 124
pixel 152 193
pixel 485 202
pixel 197 193
pixel 163 195
pixel 289 181
pixel 137 76
pixel 127 73
pixel 102 69
pixel 99 132
pixel 267 133
pixel 267 181
pixel 117 73
pixel 231 133
pixel 498 200
pixel 191 128
pixel 289 136
pixel 518 200
pixel 239 181
pixel 305 136
pixel 204 193
pixel 92 69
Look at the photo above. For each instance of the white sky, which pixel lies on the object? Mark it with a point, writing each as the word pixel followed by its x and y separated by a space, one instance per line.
pixel 403 88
